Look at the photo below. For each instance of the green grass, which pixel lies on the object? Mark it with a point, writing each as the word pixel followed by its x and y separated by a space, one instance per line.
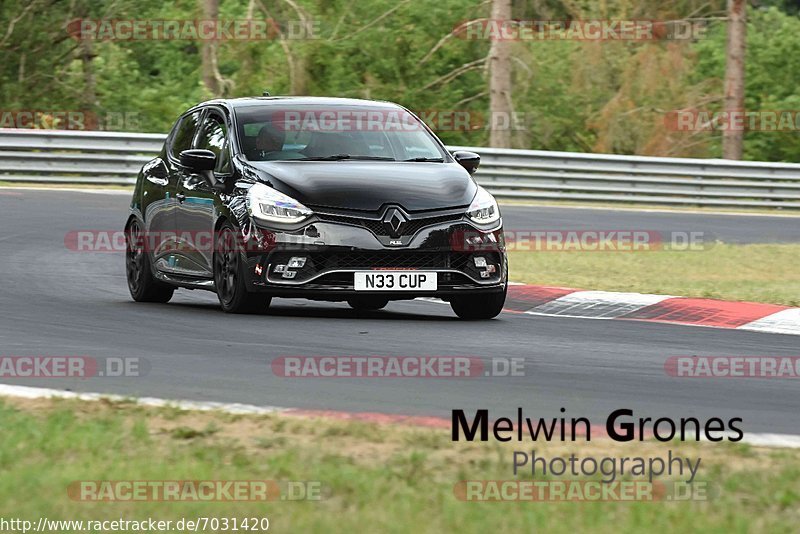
pixel 758 273
pixel 375 478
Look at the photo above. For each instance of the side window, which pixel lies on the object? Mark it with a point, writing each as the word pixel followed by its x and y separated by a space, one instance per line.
pixel 215 139
pixel 184 134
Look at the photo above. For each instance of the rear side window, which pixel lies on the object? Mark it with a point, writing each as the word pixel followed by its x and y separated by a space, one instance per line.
pixel 184 133
pixel 215 139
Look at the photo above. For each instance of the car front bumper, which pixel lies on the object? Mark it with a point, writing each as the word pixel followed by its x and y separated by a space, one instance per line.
pixel 333 251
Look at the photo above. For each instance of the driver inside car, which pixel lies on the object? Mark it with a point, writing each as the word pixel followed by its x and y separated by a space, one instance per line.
pixel 269 139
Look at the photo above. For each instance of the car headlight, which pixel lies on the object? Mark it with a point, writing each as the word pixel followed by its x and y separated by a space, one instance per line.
pixel 267 204
pixel 483 209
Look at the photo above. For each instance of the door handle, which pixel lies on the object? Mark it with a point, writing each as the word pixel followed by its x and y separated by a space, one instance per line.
pixel 181 197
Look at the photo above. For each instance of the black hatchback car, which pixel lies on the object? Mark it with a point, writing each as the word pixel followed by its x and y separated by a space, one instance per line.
pixel 320 198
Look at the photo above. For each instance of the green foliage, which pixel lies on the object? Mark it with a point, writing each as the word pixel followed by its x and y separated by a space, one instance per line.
pixel 570 95
pixel 771 79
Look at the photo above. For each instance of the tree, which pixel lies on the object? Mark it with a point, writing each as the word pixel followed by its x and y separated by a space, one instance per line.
pixel 212 79
pixel 733 137
pixel 500 106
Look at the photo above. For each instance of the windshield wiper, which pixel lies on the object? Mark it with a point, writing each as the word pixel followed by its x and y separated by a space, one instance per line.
pixel 433 160
pixel 339 157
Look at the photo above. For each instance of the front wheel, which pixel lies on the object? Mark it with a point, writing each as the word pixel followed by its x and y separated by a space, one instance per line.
pixel 479 307
pixel 141 284
pixel 229 279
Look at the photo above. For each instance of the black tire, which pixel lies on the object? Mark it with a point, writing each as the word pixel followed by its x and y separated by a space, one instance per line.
pixel 141 284
pixel 229 279
pixel 479 307
pixel 367 303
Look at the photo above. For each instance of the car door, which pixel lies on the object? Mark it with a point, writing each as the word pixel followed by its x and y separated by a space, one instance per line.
pixel 160 184
pixel 196 211
pixel 167 255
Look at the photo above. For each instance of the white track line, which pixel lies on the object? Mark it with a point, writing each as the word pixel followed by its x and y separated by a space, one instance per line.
pixel 787 441
pixel 26 392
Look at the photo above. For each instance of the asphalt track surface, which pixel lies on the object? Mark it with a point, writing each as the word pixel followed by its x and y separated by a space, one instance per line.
pixel 58 302
pixel 739 229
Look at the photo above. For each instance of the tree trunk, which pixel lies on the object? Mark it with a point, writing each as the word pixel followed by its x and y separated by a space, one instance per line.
pixel 89 96
pixel 208 51
pixel 500 80
pixel 733 136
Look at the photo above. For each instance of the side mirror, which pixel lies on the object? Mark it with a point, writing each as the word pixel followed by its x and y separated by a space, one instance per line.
pixel 199 159
pixel 469 160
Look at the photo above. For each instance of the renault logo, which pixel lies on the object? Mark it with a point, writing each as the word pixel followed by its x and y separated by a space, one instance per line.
pixel 394 221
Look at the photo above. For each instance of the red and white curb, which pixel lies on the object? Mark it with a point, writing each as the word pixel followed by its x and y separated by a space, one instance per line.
pixel 786 441
pixel 567 302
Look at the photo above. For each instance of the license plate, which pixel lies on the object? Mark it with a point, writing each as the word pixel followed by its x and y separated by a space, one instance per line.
pixel 395 281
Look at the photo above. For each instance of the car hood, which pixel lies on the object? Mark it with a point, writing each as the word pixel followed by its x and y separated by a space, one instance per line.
pixel 369 185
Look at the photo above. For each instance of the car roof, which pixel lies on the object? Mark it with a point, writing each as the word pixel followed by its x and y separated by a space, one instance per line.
pixel 262 101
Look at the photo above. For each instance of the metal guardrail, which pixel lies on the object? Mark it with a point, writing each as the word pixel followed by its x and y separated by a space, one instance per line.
pixel 115 158
pixel 50 156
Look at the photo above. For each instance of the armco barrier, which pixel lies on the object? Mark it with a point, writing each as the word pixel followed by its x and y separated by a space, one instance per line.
pixel 115 158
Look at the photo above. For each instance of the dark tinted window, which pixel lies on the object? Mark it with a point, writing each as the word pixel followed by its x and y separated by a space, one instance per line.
pixel 310 131
pixel 184 133
pixel 215 139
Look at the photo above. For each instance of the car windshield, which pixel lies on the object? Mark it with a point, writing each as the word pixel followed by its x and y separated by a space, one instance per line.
pixel 331 133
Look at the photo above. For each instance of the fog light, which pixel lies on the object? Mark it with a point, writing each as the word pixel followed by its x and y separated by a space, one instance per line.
pixel 289 274
pixel 480 262
pixel 491 269
pixel 483 239
pixel 280 268
pixel 484 274
pixel 297 262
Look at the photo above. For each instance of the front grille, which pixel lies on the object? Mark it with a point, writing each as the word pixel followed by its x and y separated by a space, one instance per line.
pixel 377 227
pixel 325 261
pixel 320 262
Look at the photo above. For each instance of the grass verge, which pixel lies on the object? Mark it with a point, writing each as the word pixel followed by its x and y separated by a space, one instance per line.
pixel 375 478
pixel 758 272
